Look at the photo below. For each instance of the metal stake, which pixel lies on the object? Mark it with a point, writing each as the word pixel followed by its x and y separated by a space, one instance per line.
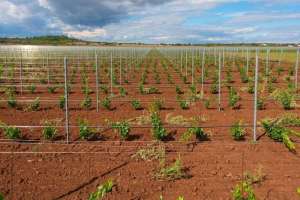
pixel 66 99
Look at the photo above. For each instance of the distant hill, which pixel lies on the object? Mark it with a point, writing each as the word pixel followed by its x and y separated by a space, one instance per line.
pixel 59 40
pixel 50 40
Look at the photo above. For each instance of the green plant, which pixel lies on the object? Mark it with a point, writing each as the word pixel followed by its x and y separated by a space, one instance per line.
pixel 178 90
pixel 49 131
pixel 243 191
pixel 214 88
pixel 1 197
pixel 141 88
pixel 237 131
pixel 278 129
pixel 233 98
pixel 157 104
pixel 179 198
pixel 136 104
pixel 51 89
pixel 62 102
pixel 158 132
pixel 11 101
pixel 243 73
pixel 102 190
pixel 86 102
pixel 193 89
pixel 197 132
pixel 106 103
pixel 151 90
pixel 173 172
pixel 260 103
pixel 250 88
pixel 31 88
pixel 184 104
pixel 10 132
pixel 85 132
pixel 123 129
pixel 206 103
pixel 122 91
pixel 35 105
pixel 285 97
pixel 104 89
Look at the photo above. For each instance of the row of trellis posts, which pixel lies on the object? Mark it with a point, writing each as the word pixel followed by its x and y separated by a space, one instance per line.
pixel 174 55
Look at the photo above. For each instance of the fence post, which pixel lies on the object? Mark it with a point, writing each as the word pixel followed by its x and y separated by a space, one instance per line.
pixel 21 74
pixel 66 99
pixel 202 73
pixel 186 62
pixel 247 66
pixel 267 63
pixel 219 81
pixel 111 74
pixel 48 69
pixel 255 96
pixel 181 61
pixel 97 83
pixel 192 66
pixel 296 70
pixel 120 68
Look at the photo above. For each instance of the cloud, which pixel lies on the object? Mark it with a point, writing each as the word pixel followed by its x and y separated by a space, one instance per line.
pixel 94 13
pixel 12 13
pixel 154 21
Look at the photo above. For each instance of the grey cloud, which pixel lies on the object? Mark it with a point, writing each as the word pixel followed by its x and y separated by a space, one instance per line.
pixel 95 13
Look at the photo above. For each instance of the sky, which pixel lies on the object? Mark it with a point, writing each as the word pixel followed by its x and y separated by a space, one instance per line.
pixel 154 21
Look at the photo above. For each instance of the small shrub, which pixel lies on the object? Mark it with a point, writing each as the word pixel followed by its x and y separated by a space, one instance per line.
pixel 206 103
pixel 214 88
pixel 85 132
pixel 172 172
pixel 141 88
pixel 260 103
pixel 157 104
pixel 193 89
pixel 49 131
pixel 35 105
pixel 106 103
pixel 233 98
pixel 158 132
pixel 104 89
pixel 152 90
pixel 11 101
pixel 123 129
pixel 102 190
pixel 31 88
pixel 51 89
pixel 184 105
pixel 62 102
pixel 136 104
pixel 10 132
pixel 197 132
pixel 86 103
pixel 243 191
pixel 237 131
pixel 122 91
pixel 178 90
pixel 285 97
